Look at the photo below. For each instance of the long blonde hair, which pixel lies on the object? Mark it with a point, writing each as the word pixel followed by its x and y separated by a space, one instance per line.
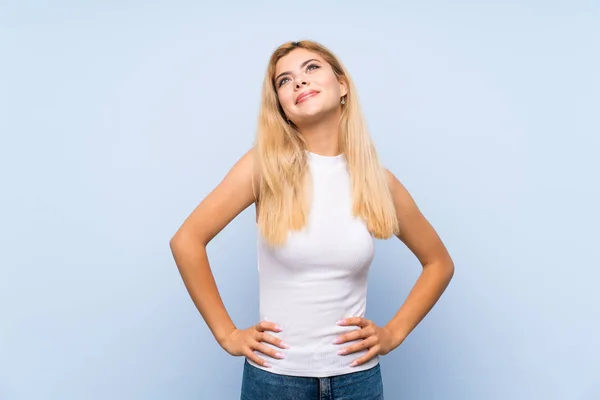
pixel 284 196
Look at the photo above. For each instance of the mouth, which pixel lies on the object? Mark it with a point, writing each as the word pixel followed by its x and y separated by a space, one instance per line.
pixel 305 96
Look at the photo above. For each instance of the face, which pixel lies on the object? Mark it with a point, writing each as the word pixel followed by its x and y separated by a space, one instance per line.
pixel 307 87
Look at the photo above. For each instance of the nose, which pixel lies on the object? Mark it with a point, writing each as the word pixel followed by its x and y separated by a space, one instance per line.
pixel 300 83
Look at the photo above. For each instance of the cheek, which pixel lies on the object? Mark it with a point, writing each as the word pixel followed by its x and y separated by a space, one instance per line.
pixel 286 99
pixel 331 88
pixel 334 87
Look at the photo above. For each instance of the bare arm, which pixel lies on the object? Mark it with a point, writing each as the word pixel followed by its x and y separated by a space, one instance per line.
pixel 438 268
pixel 233 195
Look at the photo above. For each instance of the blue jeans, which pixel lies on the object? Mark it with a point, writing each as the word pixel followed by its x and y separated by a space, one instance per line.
pixel 258 384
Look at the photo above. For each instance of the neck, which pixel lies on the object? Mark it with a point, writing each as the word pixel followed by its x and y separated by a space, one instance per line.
pixel 323 137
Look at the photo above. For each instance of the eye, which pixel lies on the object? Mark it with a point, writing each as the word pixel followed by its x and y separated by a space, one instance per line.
pixel 309 67
pixel 282 81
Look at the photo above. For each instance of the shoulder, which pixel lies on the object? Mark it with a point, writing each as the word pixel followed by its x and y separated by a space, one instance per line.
pixel 231 196
pixel 393 182
pixel 415 230
pixel 248 162
pixel 248 169
pixel 242 178
pixel 403 200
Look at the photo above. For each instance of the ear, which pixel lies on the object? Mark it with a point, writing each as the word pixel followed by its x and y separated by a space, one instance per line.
pixel 343 88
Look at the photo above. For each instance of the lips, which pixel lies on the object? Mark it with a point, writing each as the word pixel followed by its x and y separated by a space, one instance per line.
pixel 306 95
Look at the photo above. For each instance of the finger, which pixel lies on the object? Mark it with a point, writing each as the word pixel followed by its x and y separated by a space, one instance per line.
pixel 368 343
pixel 267 326
pixel 253 357
pixel 266 338
pixel 354 335
pixel 266 350
pixel 358 321
pixel 370 354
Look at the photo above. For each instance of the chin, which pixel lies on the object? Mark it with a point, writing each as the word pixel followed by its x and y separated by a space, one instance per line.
pixel 309 118
pixel 314 113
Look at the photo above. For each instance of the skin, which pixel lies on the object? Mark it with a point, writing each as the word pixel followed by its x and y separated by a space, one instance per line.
pixel 317 119
pixel 438 268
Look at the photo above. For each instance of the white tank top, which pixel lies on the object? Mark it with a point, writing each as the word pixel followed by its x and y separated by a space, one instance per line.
pixel 316 278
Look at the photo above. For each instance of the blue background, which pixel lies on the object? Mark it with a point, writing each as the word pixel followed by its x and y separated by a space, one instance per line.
pixel 117 118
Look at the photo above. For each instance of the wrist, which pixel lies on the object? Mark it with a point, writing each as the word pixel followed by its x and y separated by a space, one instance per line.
pixel 397 335
pixel 223 335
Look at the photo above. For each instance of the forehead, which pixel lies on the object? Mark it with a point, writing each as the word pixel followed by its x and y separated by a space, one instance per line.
pixel 293 59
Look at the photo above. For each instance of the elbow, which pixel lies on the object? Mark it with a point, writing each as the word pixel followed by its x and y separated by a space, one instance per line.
pixel 178 241
pixel 450 271
pixel 182 240
pixel 173 243
pixel 443 267
pixel 175 246
pixel 175 240
pixel 448 268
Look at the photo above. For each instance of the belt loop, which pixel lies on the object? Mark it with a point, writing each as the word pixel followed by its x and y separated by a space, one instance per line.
pixel 324 388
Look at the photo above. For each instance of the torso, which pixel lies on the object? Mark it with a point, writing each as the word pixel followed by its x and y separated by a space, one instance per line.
pixel 318 277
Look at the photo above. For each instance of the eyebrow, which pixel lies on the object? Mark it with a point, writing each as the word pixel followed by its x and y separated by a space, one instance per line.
pixel 301 66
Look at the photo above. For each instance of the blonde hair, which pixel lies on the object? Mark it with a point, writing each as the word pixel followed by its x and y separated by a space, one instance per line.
pixel 284 196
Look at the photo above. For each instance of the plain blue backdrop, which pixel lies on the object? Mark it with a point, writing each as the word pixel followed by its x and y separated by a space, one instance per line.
pixel 117 118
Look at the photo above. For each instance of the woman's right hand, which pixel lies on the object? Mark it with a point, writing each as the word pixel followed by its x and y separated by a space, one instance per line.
pixel 245 342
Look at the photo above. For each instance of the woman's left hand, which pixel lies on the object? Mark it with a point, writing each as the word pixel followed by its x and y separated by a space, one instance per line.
pixel 379 341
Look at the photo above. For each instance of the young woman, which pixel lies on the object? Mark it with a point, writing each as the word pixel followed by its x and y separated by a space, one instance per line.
pixel 321 198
